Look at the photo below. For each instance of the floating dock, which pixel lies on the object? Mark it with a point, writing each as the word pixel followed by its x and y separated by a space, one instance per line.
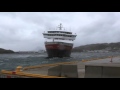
pixel 92 68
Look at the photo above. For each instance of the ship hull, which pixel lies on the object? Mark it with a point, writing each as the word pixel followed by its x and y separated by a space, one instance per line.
pixel 57 49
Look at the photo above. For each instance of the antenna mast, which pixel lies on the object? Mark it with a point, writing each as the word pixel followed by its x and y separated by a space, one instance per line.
pixel 60 26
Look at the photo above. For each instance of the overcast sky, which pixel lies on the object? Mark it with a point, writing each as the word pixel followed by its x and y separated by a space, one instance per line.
pixel 22 31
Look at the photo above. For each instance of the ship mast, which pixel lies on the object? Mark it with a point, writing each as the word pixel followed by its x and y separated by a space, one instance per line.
pixel 60 26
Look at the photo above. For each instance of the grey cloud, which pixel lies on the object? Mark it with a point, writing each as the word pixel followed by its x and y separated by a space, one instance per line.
pixel 23 30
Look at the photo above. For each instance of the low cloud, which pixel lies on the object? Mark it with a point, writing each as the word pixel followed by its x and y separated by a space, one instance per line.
pixel 21 31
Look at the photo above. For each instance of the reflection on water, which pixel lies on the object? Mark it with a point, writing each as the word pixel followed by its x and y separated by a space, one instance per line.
pixel 11 61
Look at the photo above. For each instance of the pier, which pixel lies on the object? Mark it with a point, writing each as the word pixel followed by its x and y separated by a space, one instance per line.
pixel 92 68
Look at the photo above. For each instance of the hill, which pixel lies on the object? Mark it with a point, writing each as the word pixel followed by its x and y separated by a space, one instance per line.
pixel 99 46
pixel 3 51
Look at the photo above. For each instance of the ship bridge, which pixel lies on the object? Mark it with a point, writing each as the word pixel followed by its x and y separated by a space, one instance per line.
pixel 59 34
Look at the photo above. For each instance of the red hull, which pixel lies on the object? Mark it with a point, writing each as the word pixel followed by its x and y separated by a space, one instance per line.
pixel 58 49
pixel 57 46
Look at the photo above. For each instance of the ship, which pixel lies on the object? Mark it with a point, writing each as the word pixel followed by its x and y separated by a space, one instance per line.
pixel 59 42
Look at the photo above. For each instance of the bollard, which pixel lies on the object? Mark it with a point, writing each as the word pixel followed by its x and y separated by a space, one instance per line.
pixel 18 69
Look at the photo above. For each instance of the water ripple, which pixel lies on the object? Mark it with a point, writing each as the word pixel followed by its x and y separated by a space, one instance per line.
pixel 11 61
